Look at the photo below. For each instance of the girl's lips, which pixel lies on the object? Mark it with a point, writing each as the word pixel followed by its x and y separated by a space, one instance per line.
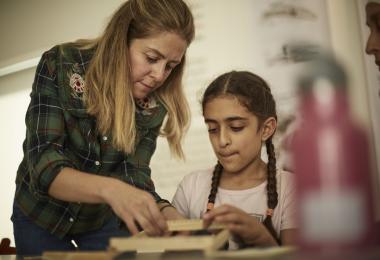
pixel 225 155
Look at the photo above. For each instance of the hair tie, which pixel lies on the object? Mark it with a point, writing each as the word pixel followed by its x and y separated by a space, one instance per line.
pixel 210 206
pixel 270 212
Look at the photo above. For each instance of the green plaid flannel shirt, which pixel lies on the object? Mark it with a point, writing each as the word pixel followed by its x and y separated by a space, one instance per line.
pixel 61 134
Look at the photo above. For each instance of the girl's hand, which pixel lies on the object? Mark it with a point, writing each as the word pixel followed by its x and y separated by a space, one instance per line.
pixel 239 223
pixel 136 208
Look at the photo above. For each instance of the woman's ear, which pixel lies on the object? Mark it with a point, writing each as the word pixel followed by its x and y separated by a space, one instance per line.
pixel 268 128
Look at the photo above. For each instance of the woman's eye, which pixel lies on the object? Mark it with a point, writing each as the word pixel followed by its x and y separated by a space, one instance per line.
pixel 169 68
pixel 151 59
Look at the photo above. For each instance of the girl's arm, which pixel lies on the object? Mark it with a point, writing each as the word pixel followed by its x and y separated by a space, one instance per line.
pixel 131 204
pixel 239 223
pixel 288 237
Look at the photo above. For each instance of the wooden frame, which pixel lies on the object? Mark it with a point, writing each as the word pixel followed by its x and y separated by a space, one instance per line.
pixel 207 243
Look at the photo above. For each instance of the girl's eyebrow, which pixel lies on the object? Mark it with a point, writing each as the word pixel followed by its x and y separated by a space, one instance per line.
pixel 162 56
pixel 228 119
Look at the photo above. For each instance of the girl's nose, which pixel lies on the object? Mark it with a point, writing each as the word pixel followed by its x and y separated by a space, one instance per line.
pixel 224 138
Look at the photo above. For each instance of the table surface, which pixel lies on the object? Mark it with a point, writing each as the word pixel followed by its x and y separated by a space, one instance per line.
pixel 283 253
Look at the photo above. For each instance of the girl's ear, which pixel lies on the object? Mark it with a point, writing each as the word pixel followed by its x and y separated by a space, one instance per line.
pixel 268 128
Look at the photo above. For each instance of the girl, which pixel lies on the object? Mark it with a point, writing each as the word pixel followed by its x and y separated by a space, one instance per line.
pixel 250 196
pixel 96 109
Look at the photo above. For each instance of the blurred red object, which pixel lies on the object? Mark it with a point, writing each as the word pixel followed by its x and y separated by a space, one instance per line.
pixel 331 158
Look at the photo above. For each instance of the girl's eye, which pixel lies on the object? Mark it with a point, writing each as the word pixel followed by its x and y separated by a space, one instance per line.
pixel 212 130
pixel 237 129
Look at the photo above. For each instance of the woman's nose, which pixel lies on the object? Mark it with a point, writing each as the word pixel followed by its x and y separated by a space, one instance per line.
pixel 373 43
pixel 158 72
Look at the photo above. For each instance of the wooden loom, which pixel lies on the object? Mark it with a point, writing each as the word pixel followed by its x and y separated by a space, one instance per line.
pixel 206 242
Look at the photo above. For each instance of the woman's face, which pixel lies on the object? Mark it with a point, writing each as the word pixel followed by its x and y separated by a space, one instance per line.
pixel 373 22
pixel 152 60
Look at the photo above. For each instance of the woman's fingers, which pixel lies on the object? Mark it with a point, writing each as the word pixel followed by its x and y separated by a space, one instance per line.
pixel 157 218
pixel 129 221
pixel 149 218
pixel 138 208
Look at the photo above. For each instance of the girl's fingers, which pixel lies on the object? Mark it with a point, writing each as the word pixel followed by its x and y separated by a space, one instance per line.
pixel 223 209
pixel 229 218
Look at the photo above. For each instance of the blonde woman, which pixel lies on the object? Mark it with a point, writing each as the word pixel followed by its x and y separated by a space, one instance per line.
pixel 96 109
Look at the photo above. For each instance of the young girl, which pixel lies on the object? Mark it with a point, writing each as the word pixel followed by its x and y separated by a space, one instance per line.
pixel 96 109
pixel 250 196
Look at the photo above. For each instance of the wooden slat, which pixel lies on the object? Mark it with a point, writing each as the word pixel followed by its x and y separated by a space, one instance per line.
pixel 176 243
pixel 191 224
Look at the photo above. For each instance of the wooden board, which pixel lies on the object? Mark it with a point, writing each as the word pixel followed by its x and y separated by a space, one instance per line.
pixel 143 243
pixel 191 225
pixel 175 243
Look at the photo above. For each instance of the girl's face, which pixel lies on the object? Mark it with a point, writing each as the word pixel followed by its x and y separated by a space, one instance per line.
pixel 152 60
pixel 373 22
pixel 234 134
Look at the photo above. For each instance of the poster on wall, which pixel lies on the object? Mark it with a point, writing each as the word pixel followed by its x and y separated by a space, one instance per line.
pixel 373 77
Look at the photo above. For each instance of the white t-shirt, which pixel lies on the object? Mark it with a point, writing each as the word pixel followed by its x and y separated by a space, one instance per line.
pixel 192 194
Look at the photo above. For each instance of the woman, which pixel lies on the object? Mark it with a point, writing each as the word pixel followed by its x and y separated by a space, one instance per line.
pixel 97 107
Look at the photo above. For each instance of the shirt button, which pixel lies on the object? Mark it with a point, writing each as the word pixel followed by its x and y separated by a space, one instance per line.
pixel 71 220
pixel 97 163
pixel 105 138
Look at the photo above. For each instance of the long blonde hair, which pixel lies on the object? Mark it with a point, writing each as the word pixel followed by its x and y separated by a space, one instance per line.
pixel 108 93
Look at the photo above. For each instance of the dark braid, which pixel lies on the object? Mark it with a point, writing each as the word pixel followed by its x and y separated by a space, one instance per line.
pixel 215 183
pixel 253 93
pixel 271 187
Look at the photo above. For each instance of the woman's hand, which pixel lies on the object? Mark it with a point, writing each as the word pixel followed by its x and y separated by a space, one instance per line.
pixel 171 213
pixel 239 223
pixel 136 208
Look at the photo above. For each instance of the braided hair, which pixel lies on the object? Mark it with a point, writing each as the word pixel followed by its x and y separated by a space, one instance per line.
pixel 253 93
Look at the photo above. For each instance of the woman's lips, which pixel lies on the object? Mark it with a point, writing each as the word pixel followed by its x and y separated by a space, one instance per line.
pixel 147 86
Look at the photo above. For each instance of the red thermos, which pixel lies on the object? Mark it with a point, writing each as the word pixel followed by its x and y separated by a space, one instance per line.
pixel 331 164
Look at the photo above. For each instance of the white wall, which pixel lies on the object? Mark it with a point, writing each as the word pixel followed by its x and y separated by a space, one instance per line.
pixel 13 103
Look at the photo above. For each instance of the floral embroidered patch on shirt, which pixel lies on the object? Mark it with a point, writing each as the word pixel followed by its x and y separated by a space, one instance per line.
pixel 77 84
pixel 146 105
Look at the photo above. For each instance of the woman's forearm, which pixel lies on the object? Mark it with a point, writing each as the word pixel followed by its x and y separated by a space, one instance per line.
pixel 76 186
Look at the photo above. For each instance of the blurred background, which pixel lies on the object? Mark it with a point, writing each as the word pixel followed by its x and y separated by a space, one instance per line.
pixel 255 35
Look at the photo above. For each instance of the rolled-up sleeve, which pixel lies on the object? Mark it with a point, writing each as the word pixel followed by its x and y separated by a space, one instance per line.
pixel 141 161
pixel 45 137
